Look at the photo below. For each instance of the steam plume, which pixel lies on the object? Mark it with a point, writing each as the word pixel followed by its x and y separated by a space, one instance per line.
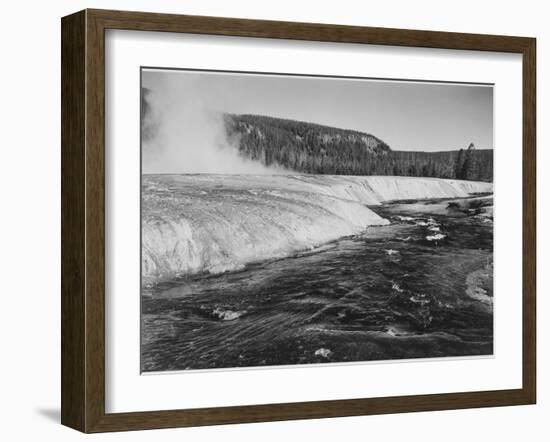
pixel 183 132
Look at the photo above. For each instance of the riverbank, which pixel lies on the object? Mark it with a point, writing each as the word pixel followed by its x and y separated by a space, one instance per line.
pixel 217 223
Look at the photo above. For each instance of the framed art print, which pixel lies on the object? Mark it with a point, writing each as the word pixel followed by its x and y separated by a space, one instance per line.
pixel 270 220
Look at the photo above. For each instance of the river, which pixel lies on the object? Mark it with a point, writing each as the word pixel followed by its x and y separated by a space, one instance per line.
pixel 419 287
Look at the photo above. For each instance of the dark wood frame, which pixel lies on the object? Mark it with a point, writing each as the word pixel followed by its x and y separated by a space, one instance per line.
pixel 83 217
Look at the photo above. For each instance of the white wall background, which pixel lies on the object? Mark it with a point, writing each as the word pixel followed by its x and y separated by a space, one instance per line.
pixel 30 219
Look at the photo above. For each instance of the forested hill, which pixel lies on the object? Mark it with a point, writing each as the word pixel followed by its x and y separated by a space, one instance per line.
pixel 306 147
pixel 313 148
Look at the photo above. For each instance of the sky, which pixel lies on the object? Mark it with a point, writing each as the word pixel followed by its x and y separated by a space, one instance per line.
pixel 406 115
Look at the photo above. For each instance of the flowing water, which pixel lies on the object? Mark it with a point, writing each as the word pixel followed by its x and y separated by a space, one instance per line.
pixel 418 287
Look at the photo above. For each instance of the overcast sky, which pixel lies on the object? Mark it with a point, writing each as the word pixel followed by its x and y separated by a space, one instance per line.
pixel 406 115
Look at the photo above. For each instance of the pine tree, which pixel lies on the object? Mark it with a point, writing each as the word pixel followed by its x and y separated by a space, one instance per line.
pixel 459 164
pixel 469 166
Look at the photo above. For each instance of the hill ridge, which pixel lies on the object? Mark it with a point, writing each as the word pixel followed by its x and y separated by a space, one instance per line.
pixel 315 148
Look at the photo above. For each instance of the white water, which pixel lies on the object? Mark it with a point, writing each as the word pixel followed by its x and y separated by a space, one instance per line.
pixel 217 223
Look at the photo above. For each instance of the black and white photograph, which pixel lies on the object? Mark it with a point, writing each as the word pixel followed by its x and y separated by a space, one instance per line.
pixel 301 219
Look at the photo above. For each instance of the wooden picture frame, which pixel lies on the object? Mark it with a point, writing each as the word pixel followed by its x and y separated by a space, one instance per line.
pixel 83 220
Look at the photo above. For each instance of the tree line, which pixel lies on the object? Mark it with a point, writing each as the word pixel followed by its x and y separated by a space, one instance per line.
pixel 313 148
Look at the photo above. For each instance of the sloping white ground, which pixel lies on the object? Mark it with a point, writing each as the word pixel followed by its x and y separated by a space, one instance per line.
pixel 375 190
pixel 216 223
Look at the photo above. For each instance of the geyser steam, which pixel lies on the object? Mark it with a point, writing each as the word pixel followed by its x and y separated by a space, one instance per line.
pixel 183 131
